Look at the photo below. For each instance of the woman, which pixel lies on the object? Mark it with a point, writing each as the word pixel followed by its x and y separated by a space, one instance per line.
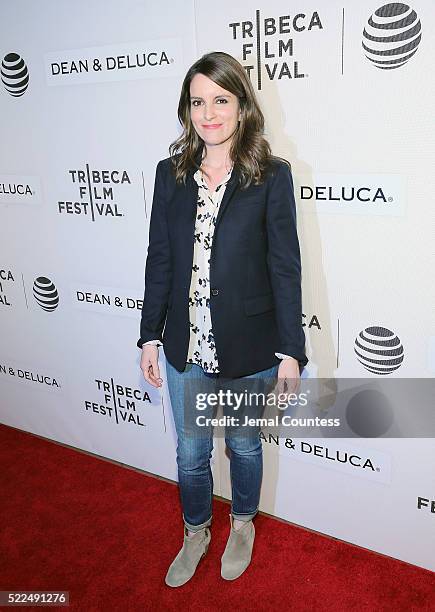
pixel 223 279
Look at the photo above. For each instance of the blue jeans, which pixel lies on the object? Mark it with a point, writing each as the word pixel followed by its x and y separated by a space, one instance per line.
pixel 194 452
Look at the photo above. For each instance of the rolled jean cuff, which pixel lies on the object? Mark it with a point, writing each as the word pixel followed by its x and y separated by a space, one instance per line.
pixel 197 527
pixel 244 517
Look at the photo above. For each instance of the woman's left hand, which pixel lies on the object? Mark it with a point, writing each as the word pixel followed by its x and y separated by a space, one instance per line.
pixel 288 374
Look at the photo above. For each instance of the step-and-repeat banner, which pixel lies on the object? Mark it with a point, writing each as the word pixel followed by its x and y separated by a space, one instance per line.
pixel 88 99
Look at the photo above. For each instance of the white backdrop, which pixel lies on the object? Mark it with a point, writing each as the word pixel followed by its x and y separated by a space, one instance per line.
pixel 80 144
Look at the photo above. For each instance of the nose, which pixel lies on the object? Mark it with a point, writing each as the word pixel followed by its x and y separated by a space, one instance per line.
pixel 208 112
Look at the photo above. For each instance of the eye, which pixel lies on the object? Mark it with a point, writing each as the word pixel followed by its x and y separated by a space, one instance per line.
pixel 194 102
pixel 224 100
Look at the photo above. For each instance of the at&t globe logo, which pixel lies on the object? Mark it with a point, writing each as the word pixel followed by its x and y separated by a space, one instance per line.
pixel 45 293
pixel 14 74
pixel 392 35
pixel 379 350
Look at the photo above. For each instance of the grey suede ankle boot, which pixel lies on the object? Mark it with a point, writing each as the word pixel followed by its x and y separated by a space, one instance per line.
pixel 238 551
pixel 184 565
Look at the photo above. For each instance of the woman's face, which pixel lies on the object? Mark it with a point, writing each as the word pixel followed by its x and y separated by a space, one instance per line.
pixel 214 111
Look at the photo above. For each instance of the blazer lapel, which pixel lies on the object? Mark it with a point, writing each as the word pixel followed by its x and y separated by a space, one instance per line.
pixel 191 194
pixel 189 200
pixel 229 192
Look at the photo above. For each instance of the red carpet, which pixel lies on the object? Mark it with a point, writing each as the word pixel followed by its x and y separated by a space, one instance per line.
pixel 71 521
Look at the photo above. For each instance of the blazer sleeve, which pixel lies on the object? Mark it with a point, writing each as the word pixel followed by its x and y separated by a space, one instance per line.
pixel 284 263
pixel 158 269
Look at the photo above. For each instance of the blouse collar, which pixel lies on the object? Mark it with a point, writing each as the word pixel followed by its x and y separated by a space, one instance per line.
pixel 200 180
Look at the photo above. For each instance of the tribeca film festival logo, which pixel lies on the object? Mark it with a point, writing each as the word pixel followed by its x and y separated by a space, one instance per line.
pixel 14 74
pixel 6 279
pixel 427 504
pixel 379 350
pixel 391 36
pixel 95 193
pixel 125 61
pixel 270 41
pixel 310 321
pixel 118 402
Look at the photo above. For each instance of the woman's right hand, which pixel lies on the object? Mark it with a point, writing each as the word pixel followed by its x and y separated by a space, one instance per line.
pixel 149 364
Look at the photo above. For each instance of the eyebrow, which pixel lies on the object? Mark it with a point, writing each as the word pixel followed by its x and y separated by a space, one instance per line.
pixel 199 98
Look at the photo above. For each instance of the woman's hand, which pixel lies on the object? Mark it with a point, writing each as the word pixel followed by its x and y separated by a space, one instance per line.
pixel 288 374
pixel 149 364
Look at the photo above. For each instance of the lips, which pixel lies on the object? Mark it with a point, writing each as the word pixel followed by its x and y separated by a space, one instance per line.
pixel 212 126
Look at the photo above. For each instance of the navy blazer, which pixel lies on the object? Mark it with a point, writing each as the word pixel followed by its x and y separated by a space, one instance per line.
pixel 255 272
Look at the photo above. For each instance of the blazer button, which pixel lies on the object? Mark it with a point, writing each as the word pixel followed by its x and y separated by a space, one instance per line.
pixel 215 291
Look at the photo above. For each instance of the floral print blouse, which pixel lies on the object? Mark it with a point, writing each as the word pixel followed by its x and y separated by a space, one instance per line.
pixel 202 350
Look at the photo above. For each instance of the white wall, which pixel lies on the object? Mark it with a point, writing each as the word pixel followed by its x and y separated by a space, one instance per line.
pixel 71 373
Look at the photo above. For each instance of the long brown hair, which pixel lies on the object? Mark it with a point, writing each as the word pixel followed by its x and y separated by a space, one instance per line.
pixel 249 151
